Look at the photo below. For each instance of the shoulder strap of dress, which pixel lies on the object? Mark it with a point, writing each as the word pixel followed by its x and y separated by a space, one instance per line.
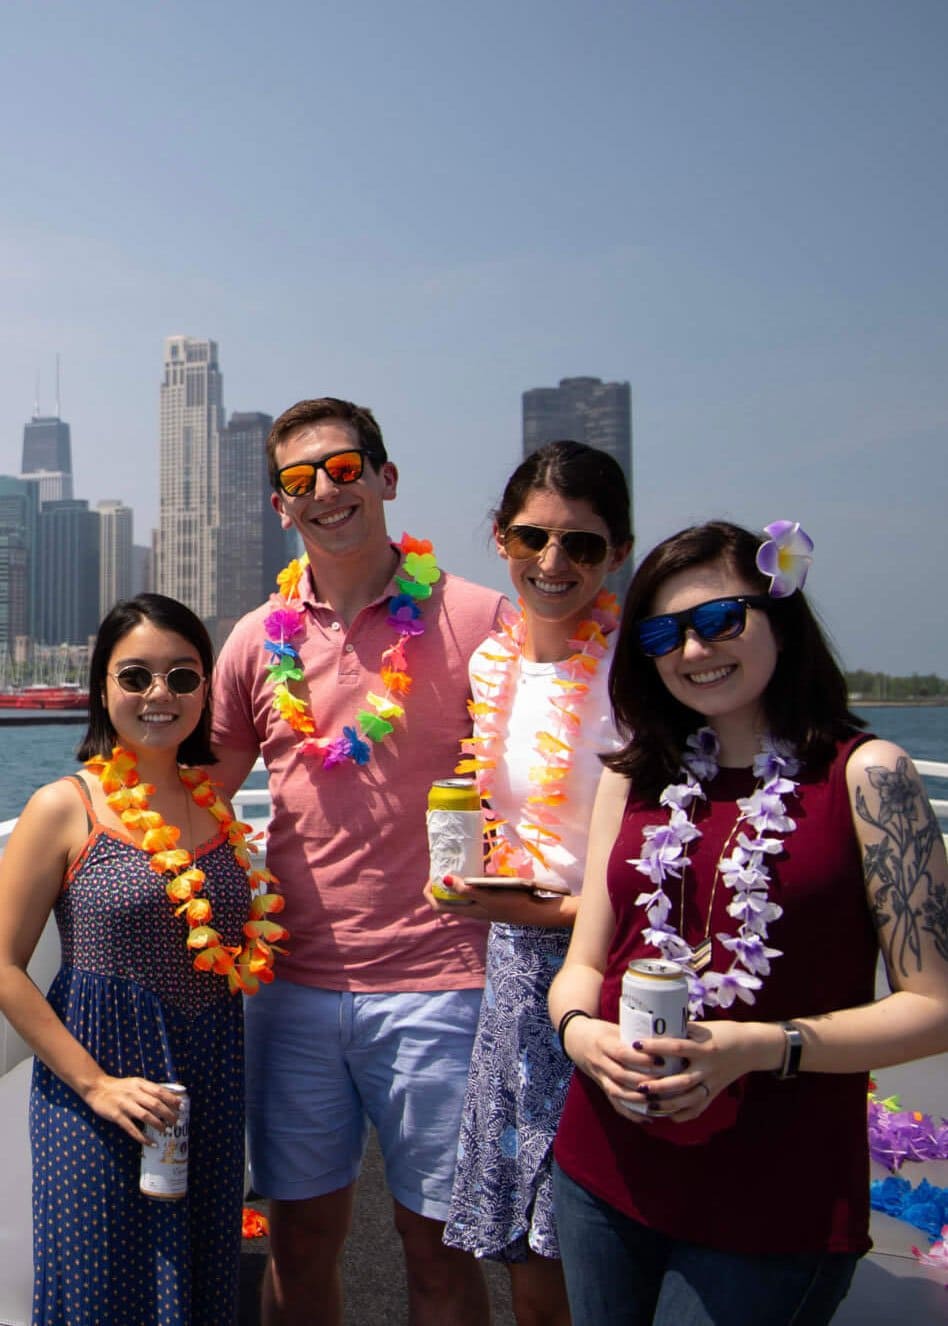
pixel 91 819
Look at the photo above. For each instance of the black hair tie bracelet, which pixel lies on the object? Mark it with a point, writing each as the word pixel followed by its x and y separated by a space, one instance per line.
pixel 565 1020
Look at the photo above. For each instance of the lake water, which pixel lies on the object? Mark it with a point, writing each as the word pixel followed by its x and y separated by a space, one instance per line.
pixel 34 755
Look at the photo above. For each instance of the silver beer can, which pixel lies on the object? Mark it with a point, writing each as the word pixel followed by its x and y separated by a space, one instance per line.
pixel 164 1169
pixel 654 1002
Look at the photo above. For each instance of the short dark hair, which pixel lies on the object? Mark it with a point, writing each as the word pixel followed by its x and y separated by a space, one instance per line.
pixel 806 700
pixel 167 615
pixel 317 411
pixel 573 470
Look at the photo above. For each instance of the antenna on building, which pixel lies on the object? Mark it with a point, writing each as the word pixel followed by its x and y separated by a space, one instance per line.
pixel 59 411
pixel 36 399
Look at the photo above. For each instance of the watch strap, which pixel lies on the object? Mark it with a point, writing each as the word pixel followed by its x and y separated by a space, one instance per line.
pixel 792 1050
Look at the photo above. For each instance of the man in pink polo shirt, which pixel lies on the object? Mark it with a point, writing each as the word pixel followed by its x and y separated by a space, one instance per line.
pixel 372 1014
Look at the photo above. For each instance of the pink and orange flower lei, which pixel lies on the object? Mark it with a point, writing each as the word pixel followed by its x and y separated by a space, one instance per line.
pixel 537 827
pixel 245 965
pixel 419 571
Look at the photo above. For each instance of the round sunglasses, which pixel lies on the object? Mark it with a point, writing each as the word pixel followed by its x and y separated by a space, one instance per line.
pixel 136 679
pixel 718 619
pixel 581 546
pixel 342 467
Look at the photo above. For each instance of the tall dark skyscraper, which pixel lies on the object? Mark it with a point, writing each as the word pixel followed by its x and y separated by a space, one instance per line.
pixel 18 561
pixel 586 410
pixel 46 446
pixel 251 546
pixel 69 573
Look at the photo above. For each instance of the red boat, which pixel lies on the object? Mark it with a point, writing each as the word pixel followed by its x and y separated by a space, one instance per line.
pixel 67 696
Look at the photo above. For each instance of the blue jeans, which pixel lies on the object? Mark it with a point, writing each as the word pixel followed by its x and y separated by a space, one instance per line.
pixel 620 1273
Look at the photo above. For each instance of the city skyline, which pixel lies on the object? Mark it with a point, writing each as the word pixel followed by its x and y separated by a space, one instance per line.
pixel 738 208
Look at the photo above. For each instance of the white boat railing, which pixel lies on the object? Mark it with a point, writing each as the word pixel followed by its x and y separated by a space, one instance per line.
pixel 252 801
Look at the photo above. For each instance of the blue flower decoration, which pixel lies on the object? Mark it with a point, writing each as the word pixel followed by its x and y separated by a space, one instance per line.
pixel 279 649
pixel 358 749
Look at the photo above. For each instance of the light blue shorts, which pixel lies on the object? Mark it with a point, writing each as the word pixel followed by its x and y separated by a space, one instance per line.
pixel 323 1064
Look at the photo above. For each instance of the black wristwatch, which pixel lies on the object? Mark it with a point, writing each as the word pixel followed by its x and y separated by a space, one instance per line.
pixel 792 1050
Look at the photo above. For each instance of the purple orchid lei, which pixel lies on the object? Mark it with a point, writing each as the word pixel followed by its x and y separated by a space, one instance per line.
pixel 744 871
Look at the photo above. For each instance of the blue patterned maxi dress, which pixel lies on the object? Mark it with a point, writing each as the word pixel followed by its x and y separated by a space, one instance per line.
pixel 503 1199
pixel 104 1253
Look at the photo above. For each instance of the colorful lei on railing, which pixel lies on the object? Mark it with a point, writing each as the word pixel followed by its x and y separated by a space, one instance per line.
pixel 547 794
pixel 418 572
pixel 897 1135
pixel 244 965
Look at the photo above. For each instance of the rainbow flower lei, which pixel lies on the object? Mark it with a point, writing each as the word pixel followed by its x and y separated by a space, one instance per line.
pixel 245 965
pixel 419 571
pixel 537 828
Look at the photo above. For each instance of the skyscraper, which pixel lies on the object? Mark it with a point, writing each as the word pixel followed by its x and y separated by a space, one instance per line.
pixel 192 419
pixel 116 566
pixel 69 573
pixel 251 547
pixel 50 485
pixel 46 446
pixel 18 561
pixel 586 410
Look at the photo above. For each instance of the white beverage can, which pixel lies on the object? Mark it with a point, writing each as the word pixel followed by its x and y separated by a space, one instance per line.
pixel 654 1002
pixel 455 833
pixel 164 1170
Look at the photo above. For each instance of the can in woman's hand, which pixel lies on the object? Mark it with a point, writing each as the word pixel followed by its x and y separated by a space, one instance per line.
pixel 455 834
pixel 164 1169
pixel 654 1003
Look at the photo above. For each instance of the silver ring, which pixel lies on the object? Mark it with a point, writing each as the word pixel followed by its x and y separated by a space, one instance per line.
pixel 707 1090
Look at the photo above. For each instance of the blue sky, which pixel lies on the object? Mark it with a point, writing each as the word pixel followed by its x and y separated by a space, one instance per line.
pixel 740 207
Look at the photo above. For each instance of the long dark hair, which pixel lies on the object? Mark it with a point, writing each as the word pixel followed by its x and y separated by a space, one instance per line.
pixel 167 615
pixel 805 701
pixel 576 471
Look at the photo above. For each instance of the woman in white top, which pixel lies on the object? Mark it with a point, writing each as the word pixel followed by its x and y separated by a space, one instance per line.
pixel 541 720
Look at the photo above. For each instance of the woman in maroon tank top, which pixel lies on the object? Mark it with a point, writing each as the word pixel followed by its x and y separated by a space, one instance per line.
pixel 753 835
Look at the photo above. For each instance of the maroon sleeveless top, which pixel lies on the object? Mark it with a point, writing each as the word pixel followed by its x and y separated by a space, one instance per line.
pixel 789 1173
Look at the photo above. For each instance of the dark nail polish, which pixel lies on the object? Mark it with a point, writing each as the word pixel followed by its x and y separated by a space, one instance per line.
pixel 643 1087
pixel 636 1045
pixel 653 1106
pixel 658 1061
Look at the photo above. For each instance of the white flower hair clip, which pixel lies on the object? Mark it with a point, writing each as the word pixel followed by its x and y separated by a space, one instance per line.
pixel 785 557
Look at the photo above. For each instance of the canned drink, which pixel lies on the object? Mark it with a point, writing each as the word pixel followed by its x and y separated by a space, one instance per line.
pixel 455 833
pixel 654 1003
pixel 164 1170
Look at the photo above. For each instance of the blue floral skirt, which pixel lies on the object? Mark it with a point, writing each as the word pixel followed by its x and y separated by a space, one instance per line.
pixel 503 1199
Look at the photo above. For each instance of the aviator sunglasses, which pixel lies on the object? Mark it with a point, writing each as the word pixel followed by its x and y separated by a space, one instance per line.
pixel 135 679
pixel 718 619
pixel 582 546
pixel 341 467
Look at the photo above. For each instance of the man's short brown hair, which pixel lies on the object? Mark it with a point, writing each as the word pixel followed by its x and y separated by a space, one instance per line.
pixel 317 411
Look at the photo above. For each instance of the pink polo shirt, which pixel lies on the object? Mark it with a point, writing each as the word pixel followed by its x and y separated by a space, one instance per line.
pixel 348 843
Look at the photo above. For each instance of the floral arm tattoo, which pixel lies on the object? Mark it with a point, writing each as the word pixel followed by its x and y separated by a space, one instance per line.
pixel 906 899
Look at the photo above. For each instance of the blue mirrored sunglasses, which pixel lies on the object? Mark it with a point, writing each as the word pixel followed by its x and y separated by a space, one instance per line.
pixel 718 619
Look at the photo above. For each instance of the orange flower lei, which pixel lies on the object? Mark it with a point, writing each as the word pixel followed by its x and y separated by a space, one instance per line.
pixel 245 965
pixel 537 826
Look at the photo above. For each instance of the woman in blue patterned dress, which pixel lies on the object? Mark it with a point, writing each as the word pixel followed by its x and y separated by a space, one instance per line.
pixel 128 1012
pixel 542 719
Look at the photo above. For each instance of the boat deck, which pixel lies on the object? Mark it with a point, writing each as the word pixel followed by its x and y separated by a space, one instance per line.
pixel 890 1285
